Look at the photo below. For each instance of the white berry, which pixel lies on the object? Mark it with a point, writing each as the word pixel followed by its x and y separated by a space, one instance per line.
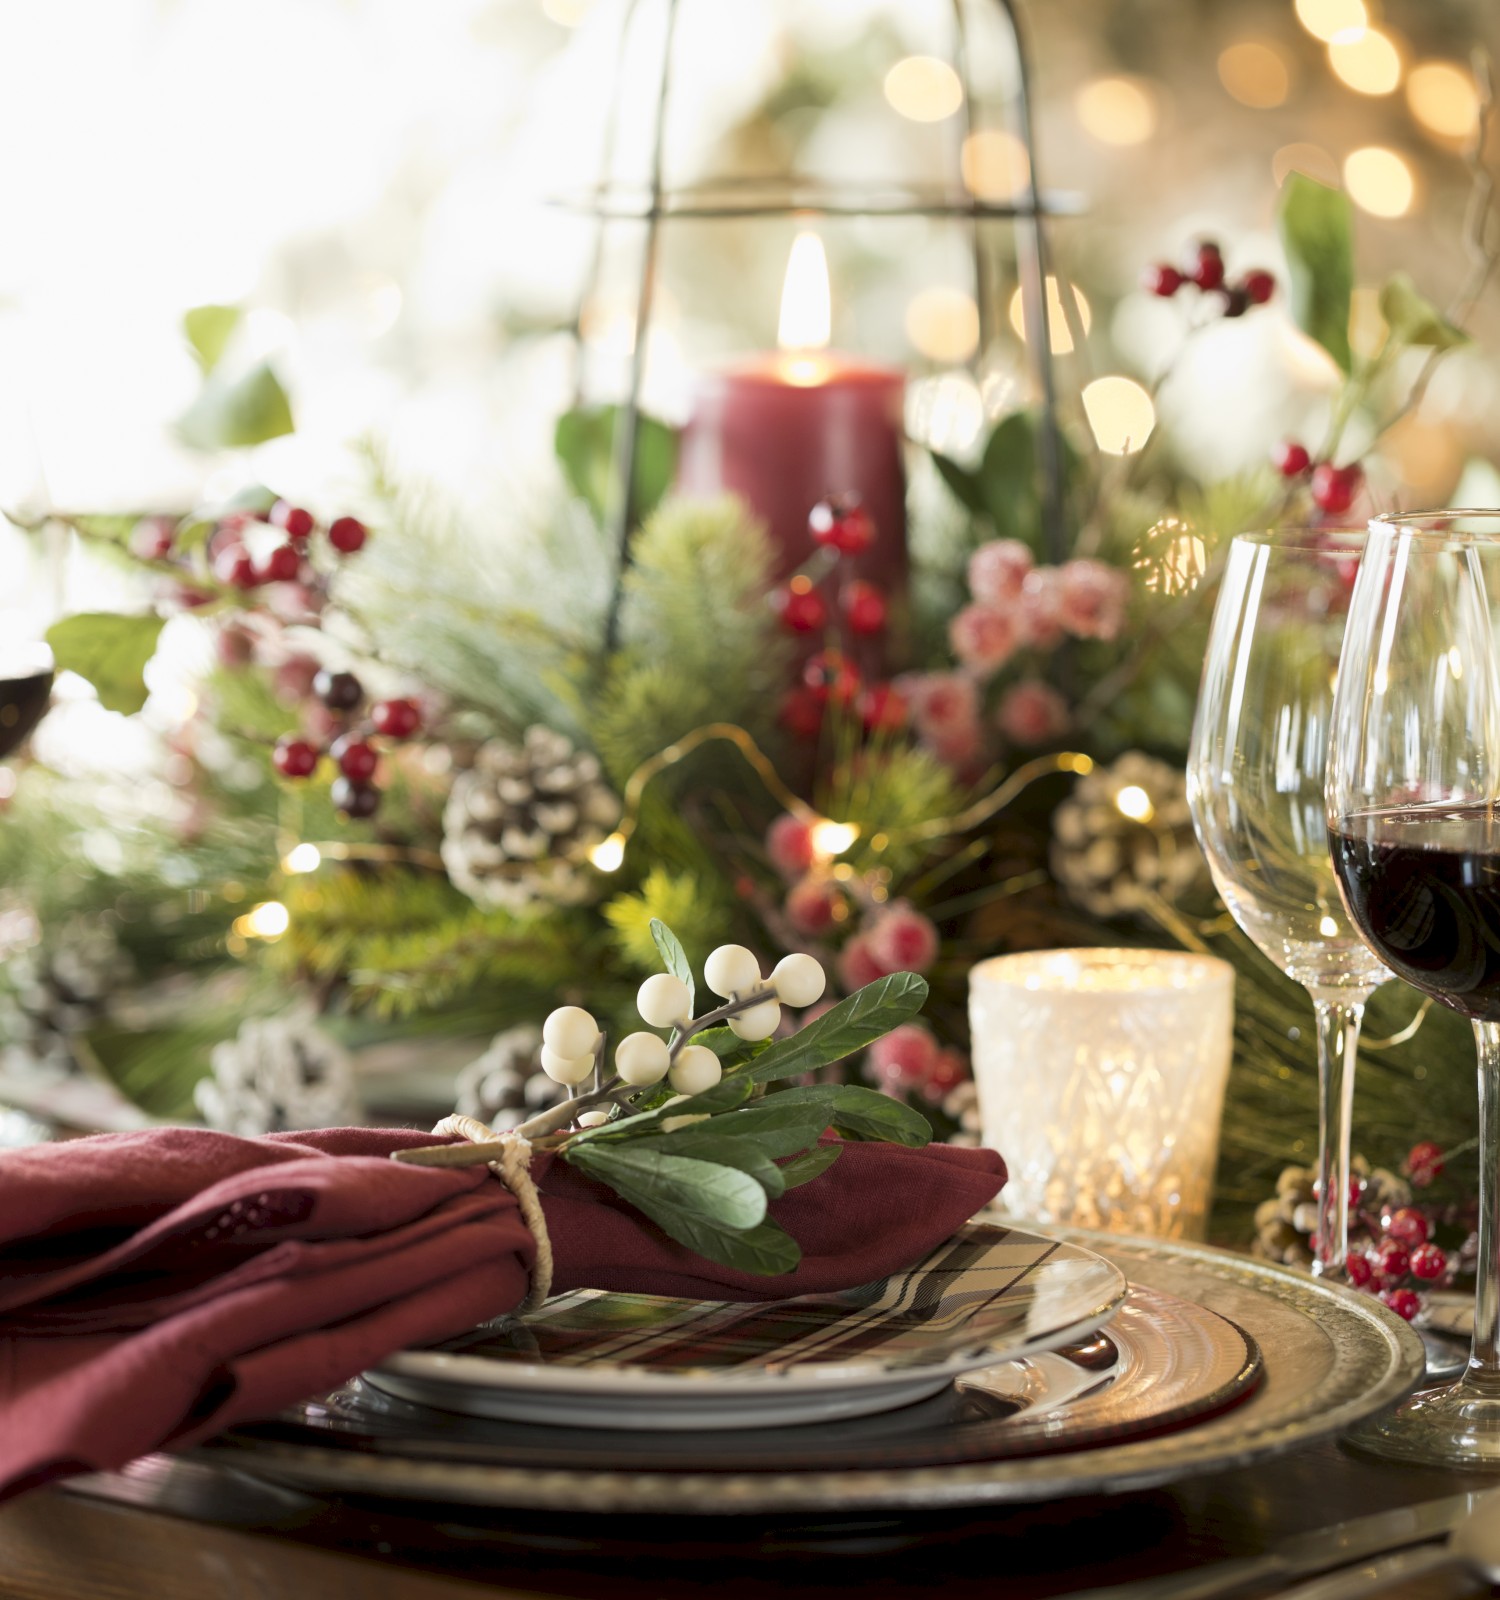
pixel 570 1031
pixel 696 1068
pixel 566 1069
pixel 759 1022
pixel 798 980
pixel 730 970
pixel 593 1119
pixel 642 1058
pixel 663 1001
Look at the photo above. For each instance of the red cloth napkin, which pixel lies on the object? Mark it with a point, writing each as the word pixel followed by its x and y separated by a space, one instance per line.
pixel 157 1287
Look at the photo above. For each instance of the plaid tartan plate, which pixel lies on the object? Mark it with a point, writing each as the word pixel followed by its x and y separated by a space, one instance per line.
pixel 986 1295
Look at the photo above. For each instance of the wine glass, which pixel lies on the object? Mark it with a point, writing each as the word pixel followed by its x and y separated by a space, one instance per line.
pixel 1414 827
pixel 1255 780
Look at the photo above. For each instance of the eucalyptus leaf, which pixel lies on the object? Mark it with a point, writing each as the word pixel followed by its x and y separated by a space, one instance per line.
pixel 853 1024
pixel 585 444
pixel 110 650
pixel 1414 320
pixel 1317 236
pixel 859 1113
pixel 651 1180
pixel 233 414
pixel 810 1164
pixel 209 330
pixel 673 956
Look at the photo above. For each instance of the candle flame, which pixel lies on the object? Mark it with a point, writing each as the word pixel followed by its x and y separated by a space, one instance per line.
pixel 806 307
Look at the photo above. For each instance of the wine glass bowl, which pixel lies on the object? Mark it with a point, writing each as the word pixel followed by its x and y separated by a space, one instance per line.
pixel 1256 779
pixel 1413 808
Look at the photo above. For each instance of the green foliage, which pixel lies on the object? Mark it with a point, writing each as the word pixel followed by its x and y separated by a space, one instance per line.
pixel 851 1025
pixel 698 641
pixel 890 789
pixel 674 957
pixel 110 650
pixel 858 1113
pixel 209 330
pixel 1414 320
pixel 1317 234
pixel 585 445
pixel 674 899
pixel 234 413
pixel 1004 487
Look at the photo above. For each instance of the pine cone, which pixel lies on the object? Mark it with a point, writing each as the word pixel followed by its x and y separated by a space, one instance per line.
pixel 962 1104
pixel 279 1073
pixel 64 988
pixel 520 823
pixel 1284 1224
pixel 506 1085
pixel 1125 836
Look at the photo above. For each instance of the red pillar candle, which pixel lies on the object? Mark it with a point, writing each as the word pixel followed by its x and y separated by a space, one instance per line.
pixel 784 431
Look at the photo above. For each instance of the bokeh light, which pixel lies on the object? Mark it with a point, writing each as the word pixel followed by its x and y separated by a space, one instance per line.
pixel 1327 19
pixel 566 13
pixel 1379 181
pixel 1120 111
pixel 1368 62
pixel 995 165
pixel 924 89
pixel 1121 414
pixel 1443 99
pixel 1255 73
pixel 943 323
pixel 1060 333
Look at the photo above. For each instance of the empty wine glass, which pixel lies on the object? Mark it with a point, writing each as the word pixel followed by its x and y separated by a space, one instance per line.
pixel 1256 773
pixel 1414 827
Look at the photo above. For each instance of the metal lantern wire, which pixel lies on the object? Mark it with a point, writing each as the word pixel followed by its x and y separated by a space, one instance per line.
pixel 657 204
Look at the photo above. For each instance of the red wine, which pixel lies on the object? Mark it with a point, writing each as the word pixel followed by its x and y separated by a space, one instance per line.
pixel 22 702
pixel 1422 884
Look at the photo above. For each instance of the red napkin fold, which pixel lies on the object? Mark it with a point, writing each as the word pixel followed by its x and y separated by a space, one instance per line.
pixel 157 1287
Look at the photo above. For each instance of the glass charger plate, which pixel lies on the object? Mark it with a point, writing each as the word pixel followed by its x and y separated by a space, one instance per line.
pixel 646 1362
pixel 1332 1358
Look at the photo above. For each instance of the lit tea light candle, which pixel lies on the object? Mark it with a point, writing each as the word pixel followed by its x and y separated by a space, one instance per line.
pixel 1101 1076
pixel 784 430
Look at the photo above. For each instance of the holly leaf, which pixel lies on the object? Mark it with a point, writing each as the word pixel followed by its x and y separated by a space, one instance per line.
pixel 810 1164
pixel 209 330
pixel 853 1024
pixel 111 651
pixel 585 444
pixel 1414 320
pixel 654 1181
pixel 673 956
pixel 1317 236
pixel 235 414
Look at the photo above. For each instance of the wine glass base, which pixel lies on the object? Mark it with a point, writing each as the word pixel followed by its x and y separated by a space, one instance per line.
pixel 1454 1427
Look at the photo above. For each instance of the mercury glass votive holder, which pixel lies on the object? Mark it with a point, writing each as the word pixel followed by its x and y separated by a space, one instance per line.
pixel 1101 1077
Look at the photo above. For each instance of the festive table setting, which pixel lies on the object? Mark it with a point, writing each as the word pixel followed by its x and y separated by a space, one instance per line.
pixel 866 976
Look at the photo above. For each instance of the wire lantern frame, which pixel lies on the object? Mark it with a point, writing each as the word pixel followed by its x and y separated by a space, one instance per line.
pixel 654 204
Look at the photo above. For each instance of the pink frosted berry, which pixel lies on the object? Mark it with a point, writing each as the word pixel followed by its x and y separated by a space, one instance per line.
pixel 940 702
pixel 1094 597
pixel 857 966
pixel 905 1057
pixel 985 637
pixel 949 1070
pixel 903 940
pixel 997 571
pixel 789 845
pixel 1042 608
pixel 812 906
pixel 1032 713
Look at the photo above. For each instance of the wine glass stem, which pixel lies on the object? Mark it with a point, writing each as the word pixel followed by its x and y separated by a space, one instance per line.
pixel 1339 1020
pixel 1483 1375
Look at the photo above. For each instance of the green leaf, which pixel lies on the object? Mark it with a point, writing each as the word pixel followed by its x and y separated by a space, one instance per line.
pixel 1414 320
pixel 254 498
pixel 860 1114
pixel 725 1095
pixel 585 442
pixel 810 1164
pixel 776 1129
pixel 852 1024
pixel 702 1143
pixel 235 414
pixel 651 1180
pixel 673 956
pixel 1317 235
pixel 767 1249
pixel 965 485
pixel 1008 477
pixel 209 329
pixel 726 1043
pixel 109 650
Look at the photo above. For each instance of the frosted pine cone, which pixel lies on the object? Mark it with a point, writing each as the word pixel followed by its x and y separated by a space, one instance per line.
pixel 279 1073
pixel 521 821
pixel 1125 836
pixel 962 1104
pixel 64 988
pixel 506 1085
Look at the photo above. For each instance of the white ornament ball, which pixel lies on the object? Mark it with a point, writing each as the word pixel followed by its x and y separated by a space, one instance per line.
pixel 696 1068
pixel 570 1031
pixel 593 1119
pixel 663 1001
pixel 730 970
pixel 758 1023
pixel 799 981
pixel 642 1058
pixel 566 1069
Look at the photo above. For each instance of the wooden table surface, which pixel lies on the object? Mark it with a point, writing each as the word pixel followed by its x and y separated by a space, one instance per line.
pixel 175 1530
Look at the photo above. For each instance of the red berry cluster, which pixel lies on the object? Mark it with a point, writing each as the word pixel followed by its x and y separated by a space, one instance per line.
pixel 1399 1258
pixel 354 792
pixel 234 565
pixel 841 528
pixel 1204 269
pixel 1334 489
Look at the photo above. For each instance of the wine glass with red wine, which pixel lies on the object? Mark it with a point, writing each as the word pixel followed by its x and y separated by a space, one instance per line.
pixel 1256 775
pixel 1414 828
